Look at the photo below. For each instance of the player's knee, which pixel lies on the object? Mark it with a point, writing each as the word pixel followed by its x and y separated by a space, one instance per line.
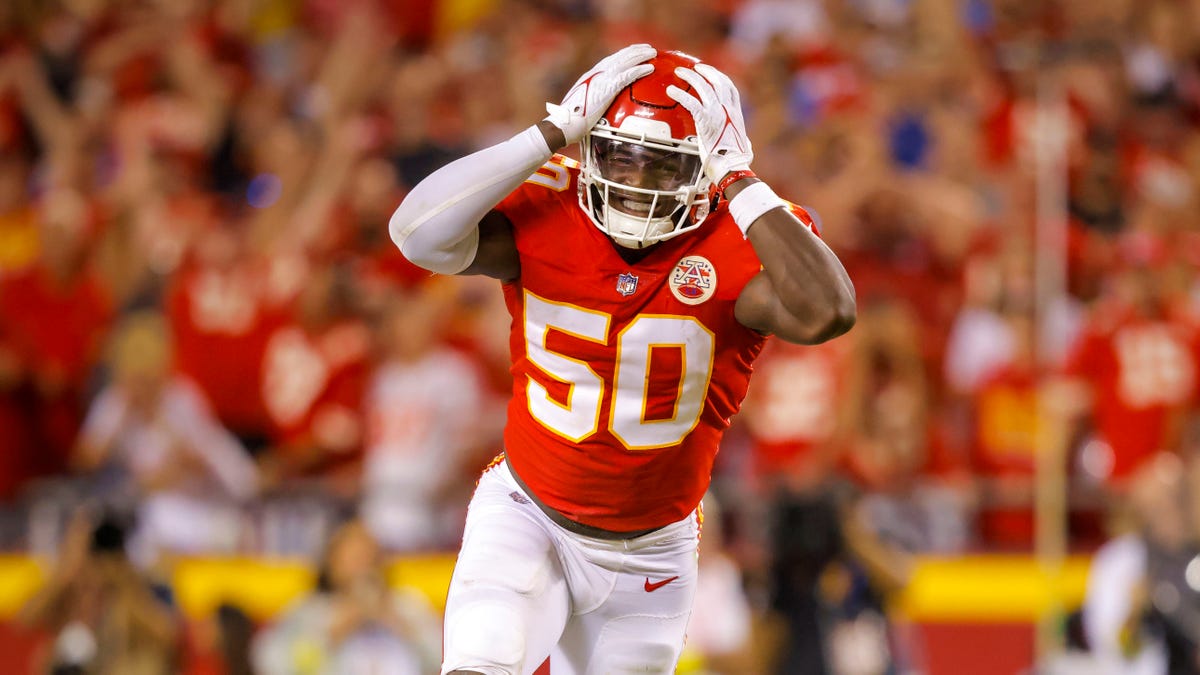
pixel 660 658
pixel 488 638
pixel 654 658
pixel 642 658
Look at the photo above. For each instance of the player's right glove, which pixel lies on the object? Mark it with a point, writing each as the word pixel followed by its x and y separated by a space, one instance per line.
pixel 586 102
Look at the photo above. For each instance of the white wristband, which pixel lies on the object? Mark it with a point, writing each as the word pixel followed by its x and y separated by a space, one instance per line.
pixel 751 203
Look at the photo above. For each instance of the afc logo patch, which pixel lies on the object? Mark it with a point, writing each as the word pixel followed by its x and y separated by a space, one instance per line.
pixel 693 280
pixel 626 284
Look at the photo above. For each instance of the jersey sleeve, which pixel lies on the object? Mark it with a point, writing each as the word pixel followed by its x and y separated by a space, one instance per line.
pixel 553 177
pixel 516 204
pixel 810 218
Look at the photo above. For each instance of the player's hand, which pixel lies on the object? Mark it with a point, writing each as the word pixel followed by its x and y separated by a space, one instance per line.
pixel 586 102
pixel 724 145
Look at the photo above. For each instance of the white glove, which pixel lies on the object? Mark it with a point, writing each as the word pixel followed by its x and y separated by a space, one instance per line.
pixel 586 102
pixel 724 145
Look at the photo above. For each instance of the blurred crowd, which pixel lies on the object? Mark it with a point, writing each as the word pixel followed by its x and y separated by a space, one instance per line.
pixel 204 326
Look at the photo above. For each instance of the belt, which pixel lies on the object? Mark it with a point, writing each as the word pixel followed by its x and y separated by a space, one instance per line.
pixel 571 525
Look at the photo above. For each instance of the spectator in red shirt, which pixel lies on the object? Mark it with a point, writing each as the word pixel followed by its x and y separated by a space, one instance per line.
pixel 52 318
pixel 792 411
pixel 1005 440
pixel 221 314
pixel 1136 368
pixel 314 371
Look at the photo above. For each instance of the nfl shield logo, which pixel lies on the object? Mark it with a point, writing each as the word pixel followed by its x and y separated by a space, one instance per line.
pixel 626 284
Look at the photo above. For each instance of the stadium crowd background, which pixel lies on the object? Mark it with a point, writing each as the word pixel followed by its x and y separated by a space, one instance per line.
pixel 207 337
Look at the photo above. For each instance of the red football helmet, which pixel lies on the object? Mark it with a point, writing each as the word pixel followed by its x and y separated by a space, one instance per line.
pixel 641 179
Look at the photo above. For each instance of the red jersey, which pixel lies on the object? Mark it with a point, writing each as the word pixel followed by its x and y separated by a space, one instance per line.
pixel 55 327
pixel 1006 424
pixel 1005 446
pixel 312 386
pixel 792 407
pixel 1143 374
pixel 625 376
pixel 221 323
pixel 54 330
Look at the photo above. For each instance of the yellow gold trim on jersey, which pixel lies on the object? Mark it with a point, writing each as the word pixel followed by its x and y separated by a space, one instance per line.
pixel 495 462
pixel 554 174
pixel 612 417
pixel 570 385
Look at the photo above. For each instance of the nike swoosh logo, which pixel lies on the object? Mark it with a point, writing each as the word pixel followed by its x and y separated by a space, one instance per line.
pixel 651 587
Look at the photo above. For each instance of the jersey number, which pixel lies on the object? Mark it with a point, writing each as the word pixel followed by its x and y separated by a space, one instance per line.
pixel 553 174
pixel 579 418
pixel 1155 369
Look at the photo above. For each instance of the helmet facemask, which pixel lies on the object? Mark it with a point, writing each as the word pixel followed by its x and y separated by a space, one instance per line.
pixel 641 187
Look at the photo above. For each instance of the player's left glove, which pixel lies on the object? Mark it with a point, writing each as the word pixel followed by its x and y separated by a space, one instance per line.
pixel 586 102
pixel 724 145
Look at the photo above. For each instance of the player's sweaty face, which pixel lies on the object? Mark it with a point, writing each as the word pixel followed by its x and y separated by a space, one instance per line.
pixel 638 166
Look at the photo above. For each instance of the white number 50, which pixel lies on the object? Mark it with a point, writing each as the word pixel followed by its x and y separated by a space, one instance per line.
pixel 580 417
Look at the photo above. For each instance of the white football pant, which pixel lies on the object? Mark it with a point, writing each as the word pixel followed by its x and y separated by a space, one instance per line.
pixel 524 587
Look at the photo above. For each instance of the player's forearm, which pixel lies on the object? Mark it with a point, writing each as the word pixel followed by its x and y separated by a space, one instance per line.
pixel 436 224
pixel 809 280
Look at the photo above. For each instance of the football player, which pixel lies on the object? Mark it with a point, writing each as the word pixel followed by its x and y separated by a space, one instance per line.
pixel 642 282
